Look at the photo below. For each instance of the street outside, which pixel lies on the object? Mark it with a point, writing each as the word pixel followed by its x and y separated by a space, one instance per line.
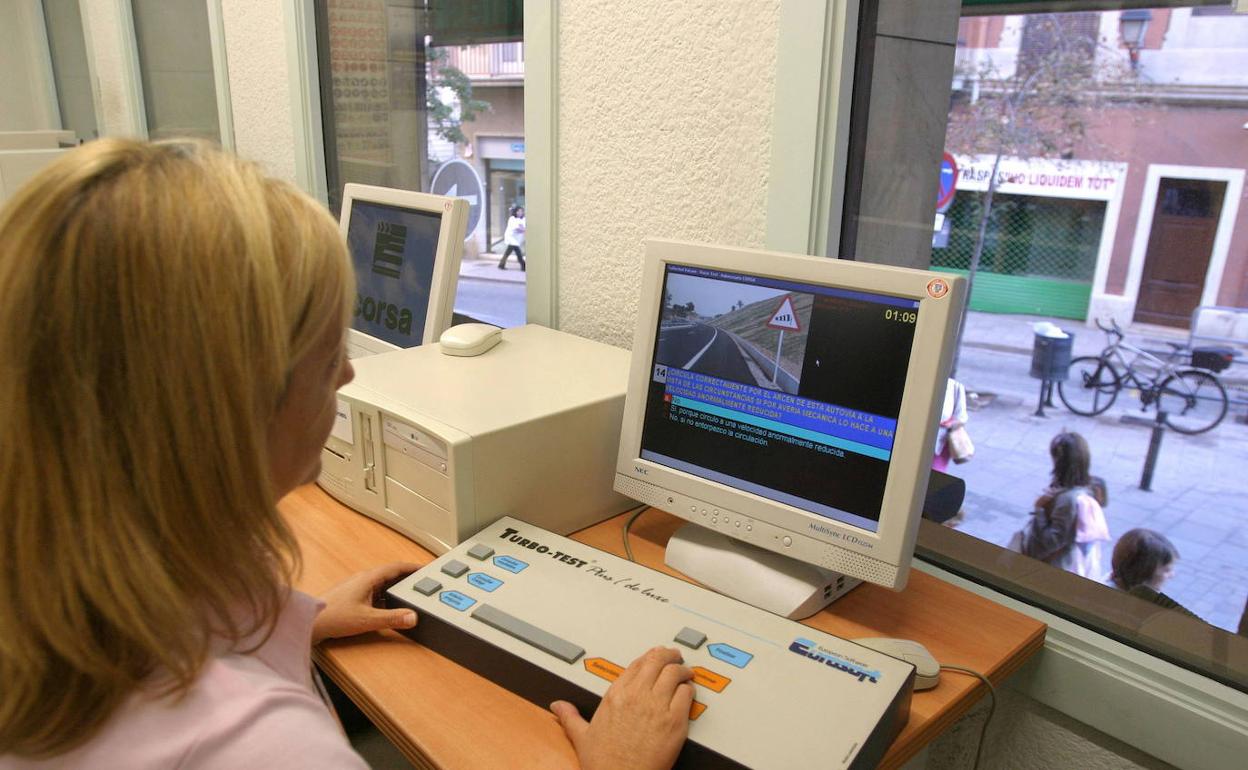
pixel 1198 497
pixel 1198 491
pixel 490 295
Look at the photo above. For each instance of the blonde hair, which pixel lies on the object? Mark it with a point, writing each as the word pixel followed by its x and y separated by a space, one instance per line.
pixel 153 301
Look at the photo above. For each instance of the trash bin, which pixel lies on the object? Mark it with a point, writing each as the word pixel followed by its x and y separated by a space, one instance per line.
pixel 1050 357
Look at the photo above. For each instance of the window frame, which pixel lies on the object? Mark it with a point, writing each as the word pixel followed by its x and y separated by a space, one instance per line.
pixel 135 111
pixel 1167 710
pixel 540 125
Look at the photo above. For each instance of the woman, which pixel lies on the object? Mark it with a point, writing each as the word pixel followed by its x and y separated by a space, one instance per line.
pixel 172 328
pixel 1067 527
pixel 953 415
pixel 1143 561
pixel 513 236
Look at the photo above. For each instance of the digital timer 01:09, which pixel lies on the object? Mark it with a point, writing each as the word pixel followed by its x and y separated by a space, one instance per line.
pixel 904 316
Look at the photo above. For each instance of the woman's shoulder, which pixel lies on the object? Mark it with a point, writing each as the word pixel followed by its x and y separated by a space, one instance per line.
pixel 261 721
pixel 237 714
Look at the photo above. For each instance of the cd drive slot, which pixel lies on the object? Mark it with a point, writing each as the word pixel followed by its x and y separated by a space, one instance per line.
pixel 407 438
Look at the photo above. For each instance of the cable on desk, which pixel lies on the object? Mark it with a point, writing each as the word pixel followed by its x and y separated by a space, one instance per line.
pixel 992 706
pixel 628 549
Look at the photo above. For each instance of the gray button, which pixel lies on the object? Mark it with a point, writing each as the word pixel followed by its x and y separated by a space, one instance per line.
pixel 691 638
pixel 454 568
pixel 427 586
pixel 480 552
pixel 528 633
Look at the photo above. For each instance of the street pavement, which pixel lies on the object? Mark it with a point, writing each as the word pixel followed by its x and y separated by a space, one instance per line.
pixel 489 294
pixel 1199 488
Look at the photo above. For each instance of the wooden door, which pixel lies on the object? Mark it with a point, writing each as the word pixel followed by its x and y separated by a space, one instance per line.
pixel 1180 243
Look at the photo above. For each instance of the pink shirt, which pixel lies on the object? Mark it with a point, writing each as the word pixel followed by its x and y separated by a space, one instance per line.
pixel 259 710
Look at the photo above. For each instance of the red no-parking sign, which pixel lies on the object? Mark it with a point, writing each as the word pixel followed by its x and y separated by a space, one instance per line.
pixel 948 181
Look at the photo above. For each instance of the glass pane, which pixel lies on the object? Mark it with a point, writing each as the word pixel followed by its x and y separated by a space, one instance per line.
pixel 69 67
pixel 409 88
pixel 175 63
pixel 1092 190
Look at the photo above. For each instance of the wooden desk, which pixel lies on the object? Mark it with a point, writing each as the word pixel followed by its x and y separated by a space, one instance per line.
pixel 441 715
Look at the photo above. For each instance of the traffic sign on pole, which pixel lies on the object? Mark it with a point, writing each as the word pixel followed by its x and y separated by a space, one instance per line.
pixel 458 179
pixel 948 182
pixel 785 318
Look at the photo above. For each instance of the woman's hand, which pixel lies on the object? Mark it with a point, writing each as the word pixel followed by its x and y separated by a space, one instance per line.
pixel 349 608
pixel 643 719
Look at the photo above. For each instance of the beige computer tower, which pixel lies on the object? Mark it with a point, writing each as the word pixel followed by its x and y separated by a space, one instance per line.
pixel 440 446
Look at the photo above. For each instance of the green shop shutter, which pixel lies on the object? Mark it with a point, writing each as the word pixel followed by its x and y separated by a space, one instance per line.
pixel 993 293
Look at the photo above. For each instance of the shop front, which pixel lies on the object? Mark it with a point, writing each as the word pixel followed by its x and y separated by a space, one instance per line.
pixel 1050 232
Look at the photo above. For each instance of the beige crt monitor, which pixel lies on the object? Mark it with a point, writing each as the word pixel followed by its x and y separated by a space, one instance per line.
pixel 406 248
pixel 787 407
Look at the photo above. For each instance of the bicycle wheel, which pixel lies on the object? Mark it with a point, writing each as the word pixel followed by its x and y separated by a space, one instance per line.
pixel 1091 387
pixel 1193 401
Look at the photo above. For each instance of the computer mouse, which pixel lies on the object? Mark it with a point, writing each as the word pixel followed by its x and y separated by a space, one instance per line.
pixel 926 667
pixel 469 339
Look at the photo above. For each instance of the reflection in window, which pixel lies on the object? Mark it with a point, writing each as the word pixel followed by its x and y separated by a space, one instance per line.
pixel 410 88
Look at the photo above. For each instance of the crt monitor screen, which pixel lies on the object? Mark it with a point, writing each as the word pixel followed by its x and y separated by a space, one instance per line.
pixel 815 431
pixel 394 251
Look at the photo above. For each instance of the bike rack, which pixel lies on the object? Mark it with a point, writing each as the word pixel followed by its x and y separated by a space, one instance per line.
pixel 1154 448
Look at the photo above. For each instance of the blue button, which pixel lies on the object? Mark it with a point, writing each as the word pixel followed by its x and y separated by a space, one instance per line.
pixel 484 581
pixel 510 564
pixel 729 654
pixel 457 600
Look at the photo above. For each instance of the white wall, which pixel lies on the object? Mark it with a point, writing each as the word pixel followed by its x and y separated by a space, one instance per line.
pixel 255 45
pixel 664 128
pixel 25 77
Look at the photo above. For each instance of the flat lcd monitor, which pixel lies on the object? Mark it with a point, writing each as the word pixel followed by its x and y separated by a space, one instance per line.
pixel 789 402
pixel 406 248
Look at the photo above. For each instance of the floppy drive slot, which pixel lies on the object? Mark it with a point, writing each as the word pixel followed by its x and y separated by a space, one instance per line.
pixel 370 463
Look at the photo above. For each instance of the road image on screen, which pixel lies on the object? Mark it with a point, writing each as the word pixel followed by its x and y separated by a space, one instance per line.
pixel 789 391
pixel 733 330
pixel 394 252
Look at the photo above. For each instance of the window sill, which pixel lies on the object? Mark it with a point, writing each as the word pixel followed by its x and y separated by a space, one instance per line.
pixel 1169 712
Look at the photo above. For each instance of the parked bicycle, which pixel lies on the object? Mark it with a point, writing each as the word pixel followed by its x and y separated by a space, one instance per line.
pixel 1190 400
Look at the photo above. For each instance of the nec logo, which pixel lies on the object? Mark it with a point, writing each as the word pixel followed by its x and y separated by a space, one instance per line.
pixel 641 471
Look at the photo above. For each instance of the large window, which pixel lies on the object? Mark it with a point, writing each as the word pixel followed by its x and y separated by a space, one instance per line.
pixel 1099 160
pixel 428 96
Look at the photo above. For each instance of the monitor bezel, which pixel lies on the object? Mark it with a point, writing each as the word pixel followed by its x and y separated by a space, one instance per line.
pixel 930 358
pixel 447 257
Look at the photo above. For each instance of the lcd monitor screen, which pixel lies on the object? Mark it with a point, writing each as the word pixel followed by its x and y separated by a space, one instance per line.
pixel 789 391
pixel 394 250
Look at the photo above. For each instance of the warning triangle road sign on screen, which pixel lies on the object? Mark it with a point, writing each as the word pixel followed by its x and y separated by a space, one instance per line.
pixel 785 318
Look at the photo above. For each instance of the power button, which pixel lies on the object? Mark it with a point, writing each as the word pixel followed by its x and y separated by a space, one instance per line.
pixel 788 541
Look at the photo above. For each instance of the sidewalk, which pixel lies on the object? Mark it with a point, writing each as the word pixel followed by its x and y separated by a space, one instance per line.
pixel 1199 496
pixel 485 268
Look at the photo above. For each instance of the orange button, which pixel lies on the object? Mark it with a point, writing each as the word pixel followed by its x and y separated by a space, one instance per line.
pixel 709 679
pixel 696 709
pixel 603 668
